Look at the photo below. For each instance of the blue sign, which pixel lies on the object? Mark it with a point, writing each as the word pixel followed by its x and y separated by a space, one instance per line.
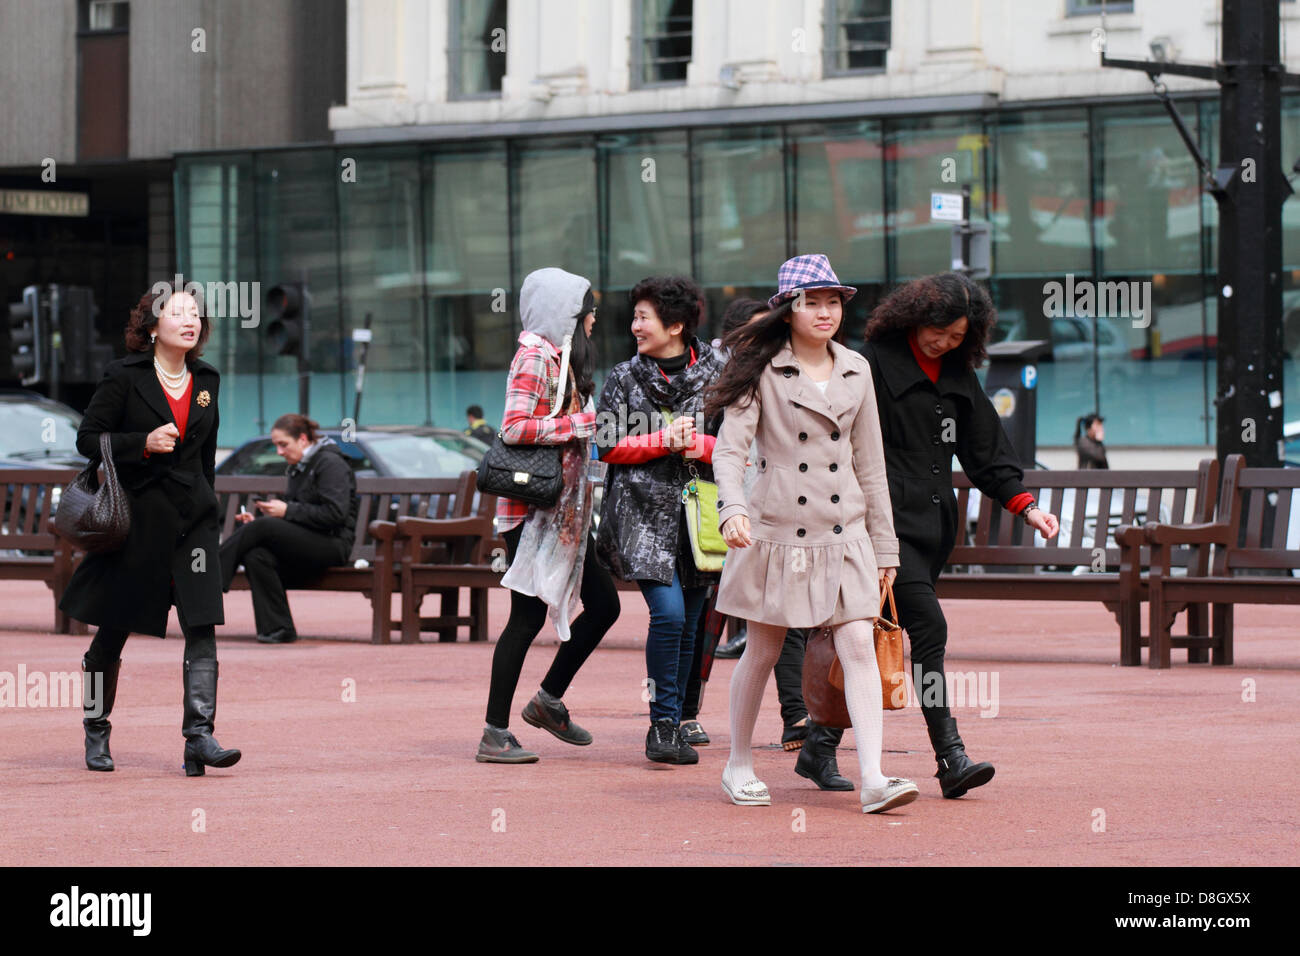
pixel 1029 376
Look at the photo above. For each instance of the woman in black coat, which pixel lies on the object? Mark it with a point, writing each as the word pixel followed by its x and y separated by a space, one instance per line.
pixel 159 407
pixel 310 530
pixel 924 342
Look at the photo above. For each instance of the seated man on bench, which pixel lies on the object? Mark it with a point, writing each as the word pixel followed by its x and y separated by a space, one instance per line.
pixel 290 540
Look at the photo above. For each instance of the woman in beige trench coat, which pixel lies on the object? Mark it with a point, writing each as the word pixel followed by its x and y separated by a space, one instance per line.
pixel 815 542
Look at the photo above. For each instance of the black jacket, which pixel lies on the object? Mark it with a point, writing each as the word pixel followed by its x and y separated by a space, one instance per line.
pixel 923 424
pixel 174 516
pixel 1092 453
pixel 322 495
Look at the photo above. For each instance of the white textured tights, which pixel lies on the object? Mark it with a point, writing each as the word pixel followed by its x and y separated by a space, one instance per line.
pixel 857 653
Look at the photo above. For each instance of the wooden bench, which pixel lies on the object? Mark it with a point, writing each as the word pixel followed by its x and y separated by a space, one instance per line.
pixel 26 534
pixel 1075 565
pixel 1252 563
pixel 382 502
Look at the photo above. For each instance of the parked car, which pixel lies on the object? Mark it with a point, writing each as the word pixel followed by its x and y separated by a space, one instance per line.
pixel 384 451
pixel 38 432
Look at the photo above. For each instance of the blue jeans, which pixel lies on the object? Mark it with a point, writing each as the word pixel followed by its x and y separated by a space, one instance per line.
pixel 674 619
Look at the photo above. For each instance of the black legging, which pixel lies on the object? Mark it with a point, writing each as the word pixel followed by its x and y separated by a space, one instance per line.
pixel 600 607
pixel 106 646
pixel 927 630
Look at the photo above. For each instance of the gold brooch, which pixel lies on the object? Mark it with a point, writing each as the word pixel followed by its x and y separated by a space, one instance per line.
pixel 204 398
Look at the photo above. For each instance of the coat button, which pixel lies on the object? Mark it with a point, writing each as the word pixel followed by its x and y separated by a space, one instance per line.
pixel 835 436
pixel 721 502
pixel 803 500
pixel 835 499
pixel 803 466
pixel 762 463
pixel 834 467
pixel 803 436
pixel 934 439
pixel 787 373
pixel 934 469
pixel 801 532
pixel 837 529
pixel 934 499
pixel 938 409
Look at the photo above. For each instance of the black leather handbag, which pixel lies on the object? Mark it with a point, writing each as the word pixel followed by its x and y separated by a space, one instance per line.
pixel 529 473
pixel 95 517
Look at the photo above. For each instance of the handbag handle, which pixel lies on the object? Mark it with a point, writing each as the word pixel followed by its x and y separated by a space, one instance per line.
pixel 106 456
pixel 889 596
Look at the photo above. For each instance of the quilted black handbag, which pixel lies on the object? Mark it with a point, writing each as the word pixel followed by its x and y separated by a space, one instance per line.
pixel 529 473
pixel 95 517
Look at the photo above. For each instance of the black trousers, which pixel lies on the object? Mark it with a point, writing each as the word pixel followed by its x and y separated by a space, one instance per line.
pixel 600 607
pixel 927 630
pixel 277 554
pixel 106 646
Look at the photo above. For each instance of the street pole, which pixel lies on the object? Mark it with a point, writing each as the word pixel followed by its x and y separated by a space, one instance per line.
pixel 304 353
pixel 1249 395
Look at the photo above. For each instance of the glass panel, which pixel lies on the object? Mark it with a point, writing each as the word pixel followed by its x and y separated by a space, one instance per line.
pixel 918 151
pixel 838 198
pixel 739 206
pixel 469 335
pixel 479 63
pixel 297 240
pixel 383 276
pixel 1040 200
pixel 666 27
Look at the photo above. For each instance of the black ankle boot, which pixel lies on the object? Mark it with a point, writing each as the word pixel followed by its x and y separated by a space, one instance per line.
pixel 957 773
pixel 817 758
pixel 201 748
pixel 98 693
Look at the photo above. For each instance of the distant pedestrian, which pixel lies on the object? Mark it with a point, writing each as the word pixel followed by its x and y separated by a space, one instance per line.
pixel 159 407
pixel 478 427
pixel 552 558
pixel 1089 433
pixel 653 450
pixel 293 538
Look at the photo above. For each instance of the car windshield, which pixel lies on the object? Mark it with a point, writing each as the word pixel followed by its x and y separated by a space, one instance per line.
pixel 432 456
pixel 259 458
pixel 33 431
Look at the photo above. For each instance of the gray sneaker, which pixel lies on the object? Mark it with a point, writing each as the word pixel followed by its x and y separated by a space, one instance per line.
pixel 500 746
pixel 556 720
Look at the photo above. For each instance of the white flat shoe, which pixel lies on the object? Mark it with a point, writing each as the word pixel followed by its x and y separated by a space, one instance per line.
pixel 896 793
pixel 752 794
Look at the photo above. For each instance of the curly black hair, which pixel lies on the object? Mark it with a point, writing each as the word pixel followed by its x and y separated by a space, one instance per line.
pixel 939 301
pixel 675 299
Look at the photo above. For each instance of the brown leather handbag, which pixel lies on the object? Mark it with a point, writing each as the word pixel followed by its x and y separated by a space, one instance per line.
pixel 823 676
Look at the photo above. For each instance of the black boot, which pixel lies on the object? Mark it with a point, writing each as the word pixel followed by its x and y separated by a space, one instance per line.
pixel 817 758
pixel 100 682
pixel 957 773
pixel 201 748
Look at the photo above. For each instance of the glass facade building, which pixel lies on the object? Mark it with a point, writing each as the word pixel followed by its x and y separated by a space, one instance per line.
pixel 433 241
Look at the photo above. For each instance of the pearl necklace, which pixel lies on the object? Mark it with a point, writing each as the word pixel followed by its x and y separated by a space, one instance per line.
pixel 171 381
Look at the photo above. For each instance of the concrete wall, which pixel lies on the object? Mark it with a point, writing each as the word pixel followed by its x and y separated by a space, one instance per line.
pixel 38 82
pixel 569 58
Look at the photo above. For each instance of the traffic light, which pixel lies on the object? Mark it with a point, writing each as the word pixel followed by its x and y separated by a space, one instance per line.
pixel 287 304
pixel 27 339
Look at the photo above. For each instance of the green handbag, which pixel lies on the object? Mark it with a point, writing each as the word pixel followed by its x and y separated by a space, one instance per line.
pixel 700 499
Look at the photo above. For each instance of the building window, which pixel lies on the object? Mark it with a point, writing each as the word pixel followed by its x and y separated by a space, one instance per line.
pixel 661 43
pixel 103 16
pixel 1080 8
pixel 478 48
pixel 857 36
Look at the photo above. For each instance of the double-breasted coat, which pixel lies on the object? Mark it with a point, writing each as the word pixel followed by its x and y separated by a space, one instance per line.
pixel 819 511
pixel 923 424
pixel 172 547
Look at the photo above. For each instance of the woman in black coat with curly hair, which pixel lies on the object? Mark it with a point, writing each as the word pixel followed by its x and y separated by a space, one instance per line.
pixel 924 342
pixel 159 408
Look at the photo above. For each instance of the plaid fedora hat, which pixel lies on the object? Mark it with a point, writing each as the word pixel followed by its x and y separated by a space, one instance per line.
pixel 807 272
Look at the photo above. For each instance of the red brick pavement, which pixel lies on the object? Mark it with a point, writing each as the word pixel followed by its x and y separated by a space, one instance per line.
pixel 1179 768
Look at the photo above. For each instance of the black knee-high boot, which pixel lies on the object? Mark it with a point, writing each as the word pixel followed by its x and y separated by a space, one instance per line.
pixel 98 693
pixel 817 758
pixel 201 748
